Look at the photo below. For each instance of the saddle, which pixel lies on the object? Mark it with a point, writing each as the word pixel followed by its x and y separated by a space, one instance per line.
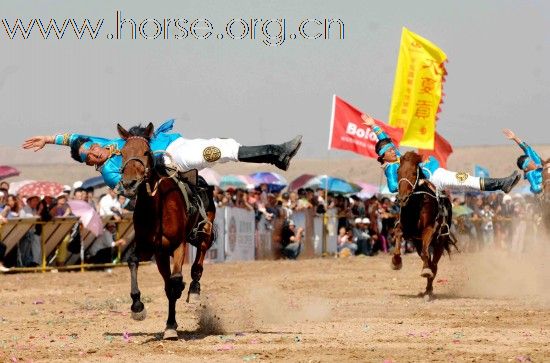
pixel 198 196
pixel 444 205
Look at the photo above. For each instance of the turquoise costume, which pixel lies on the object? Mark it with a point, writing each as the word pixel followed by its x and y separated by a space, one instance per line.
pixel 534 177
pixel 428 167
pixel 110 170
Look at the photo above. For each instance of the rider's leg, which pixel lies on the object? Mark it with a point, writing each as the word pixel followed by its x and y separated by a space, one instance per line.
pixel 444 179
pixel 278 155
pixel 505 184
pixel 202 153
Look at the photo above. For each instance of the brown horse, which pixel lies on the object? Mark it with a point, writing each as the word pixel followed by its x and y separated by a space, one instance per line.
pixel 425 219
pixel 162 224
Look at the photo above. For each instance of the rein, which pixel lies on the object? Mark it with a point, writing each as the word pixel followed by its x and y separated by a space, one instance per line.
pixel 169 176
pixel 406 198
pixel 147 174
pixel 140 160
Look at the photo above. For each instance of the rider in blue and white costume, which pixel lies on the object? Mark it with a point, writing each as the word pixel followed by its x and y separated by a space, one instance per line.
pixel 389 157
pixel 187 154
pixel 530 163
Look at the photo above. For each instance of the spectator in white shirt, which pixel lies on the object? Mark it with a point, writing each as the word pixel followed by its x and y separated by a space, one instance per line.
pixel 109 205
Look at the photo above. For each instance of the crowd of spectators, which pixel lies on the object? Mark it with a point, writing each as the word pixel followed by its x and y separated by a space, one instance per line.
pixel 496 220
pixel 363 226
pixel 45 208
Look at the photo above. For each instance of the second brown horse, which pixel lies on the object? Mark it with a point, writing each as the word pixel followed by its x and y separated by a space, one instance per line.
pixel 425 219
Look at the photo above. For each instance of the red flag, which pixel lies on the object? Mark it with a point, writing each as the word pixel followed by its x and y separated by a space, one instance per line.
pixel 442 150
pixel 347 131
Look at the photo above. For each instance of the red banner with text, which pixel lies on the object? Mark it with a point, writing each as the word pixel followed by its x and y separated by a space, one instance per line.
pixel 347 131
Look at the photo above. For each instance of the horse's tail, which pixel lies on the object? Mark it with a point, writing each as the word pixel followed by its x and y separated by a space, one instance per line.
pixel 449 241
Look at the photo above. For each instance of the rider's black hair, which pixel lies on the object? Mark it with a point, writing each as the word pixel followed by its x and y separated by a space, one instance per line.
pixel 379 145
pixel 75 148
pixel 521 160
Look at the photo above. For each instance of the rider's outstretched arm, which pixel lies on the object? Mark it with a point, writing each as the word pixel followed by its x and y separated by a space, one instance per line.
pixel 380 134
pixel 38 142
pixel 523 145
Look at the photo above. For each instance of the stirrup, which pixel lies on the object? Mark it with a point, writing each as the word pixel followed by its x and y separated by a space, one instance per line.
pixel 198 229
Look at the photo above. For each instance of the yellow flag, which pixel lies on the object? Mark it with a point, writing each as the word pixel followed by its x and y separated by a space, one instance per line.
pixel 417 90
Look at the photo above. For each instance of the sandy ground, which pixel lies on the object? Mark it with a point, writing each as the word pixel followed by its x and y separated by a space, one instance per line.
pixel 489 307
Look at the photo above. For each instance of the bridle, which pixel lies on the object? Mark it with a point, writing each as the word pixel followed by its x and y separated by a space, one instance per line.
pixel 140 160
pixel 405 199
pixel 147 173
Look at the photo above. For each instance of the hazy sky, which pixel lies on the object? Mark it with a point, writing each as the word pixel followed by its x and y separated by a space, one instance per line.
pixel 499 54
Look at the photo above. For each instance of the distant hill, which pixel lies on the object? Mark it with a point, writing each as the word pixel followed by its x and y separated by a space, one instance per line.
pixel 56 165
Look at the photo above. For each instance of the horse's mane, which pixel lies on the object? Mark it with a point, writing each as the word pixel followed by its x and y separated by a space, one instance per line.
pixel 139 131
pixel 411 157
pixel 409 165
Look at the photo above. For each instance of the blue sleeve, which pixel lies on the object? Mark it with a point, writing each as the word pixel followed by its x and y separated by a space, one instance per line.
pixel 110 171
pixel 391 176
pixel 379 132
pixel 534 180
pixel 68 139
pixel 381 135
pixel 531 153
pixel 429 166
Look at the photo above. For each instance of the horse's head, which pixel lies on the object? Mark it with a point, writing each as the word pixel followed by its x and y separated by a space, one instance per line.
pixel 408 175
pixel 137 159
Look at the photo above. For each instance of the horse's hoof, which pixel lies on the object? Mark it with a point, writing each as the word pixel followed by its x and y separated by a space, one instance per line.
pixel 170 334
pixel 427 273
pixel 396 263
pixel 396 267
pixel 428 297
pixel 194 298
pixel 139 315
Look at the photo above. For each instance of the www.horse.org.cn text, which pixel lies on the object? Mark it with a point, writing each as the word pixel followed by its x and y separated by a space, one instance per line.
pixel 269 32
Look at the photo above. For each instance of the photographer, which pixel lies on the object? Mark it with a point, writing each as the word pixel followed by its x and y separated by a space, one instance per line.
pixel 291 240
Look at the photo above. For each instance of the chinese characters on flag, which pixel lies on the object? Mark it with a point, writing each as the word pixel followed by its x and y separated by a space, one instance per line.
pixel 417 91
pixel 347 131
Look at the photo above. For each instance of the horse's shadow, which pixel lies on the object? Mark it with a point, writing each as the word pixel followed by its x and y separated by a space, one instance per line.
pixel 435 296
pixel 189 335
pixel 157 337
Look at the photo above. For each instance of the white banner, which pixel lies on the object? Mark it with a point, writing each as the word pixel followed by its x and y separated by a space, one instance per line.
pixel 239 234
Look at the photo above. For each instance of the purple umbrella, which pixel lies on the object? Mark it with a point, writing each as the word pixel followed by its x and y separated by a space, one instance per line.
pixel 88 216
pixel 300 181
pixel 7 171
pixel 275 183
pixel 368 190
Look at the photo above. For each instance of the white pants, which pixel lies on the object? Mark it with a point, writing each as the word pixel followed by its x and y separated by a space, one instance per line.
pixel 201 153
pixel 443 179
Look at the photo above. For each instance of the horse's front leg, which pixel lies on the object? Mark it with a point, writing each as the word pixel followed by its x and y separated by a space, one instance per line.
pixel 173 286
pixel 138 309
pixel 396 261
pixel 193 294
pixel 427 236
pixel 438 252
